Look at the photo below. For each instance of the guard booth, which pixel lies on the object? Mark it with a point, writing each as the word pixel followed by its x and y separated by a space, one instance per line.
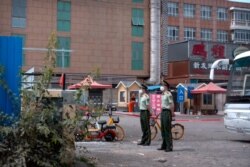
pixel 128 95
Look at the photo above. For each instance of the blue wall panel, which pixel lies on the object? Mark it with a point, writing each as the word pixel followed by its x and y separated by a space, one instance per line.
pixel 11 61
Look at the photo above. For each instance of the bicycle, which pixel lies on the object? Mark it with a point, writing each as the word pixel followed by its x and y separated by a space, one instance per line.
pixel 97 130
pixel 120 134
pixel 91 129
pixel 177 129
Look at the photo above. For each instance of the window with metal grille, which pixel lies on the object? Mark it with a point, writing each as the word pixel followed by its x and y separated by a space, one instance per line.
pixel 206 12
pixel 63 57
pixel 63 15
pixel 189 10
pixel 19 13
pixel 189 33
pixel 137 56
pixel 172 9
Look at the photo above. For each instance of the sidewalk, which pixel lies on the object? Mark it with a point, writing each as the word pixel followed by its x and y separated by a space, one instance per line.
pixel 182 117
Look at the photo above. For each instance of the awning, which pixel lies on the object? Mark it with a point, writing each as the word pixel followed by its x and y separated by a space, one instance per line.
pixel 209 88
pixel 88 81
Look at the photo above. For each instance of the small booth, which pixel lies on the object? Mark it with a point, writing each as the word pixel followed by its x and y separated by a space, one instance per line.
pixel 128 95
pixel 205 98
pixel 187 104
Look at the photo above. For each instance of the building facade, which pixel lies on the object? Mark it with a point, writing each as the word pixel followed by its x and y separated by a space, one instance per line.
pixel 199 32
pixel 114 36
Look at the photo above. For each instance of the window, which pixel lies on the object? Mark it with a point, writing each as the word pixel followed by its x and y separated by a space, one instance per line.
pixel 189 10
pixel 137 31
pixel 189 33
pixel 207 99
pixel 63 57
pixel 19 13
pixel 206 34
pixel 122 96
pixel 206 12
pixel 137 1
pixel 63 15
pixel 222 36
pixel 23 43
pixel 222 14
pixel 241 16
pixel 242 36
pixel 172 9
pixel 137 56
pixel 137 22
pixel 173 33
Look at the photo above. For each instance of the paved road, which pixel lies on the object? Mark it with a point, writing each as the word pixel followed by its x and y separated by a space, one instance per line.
pixel 205 143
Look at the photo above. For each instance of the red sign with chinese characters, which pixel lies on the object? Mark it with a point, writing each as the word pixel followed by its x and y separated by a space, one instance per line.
pixel 218 51
pixel 155 103
pixel 199 50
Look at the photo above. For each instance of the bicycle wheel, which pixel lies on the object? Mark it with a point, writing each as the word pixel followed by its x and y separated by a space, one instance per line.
pixel 154 132
pixel 119 133
pixel 177 131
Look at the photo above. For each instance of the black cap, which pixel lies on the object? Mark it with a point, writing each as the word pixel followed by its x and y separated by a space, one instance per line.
pixel 143 86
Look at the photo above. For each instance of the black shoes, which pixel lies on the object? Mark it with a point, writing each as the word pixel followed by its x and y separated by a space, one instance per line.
pixel 166 150
pixel 143 144
pixel 161 148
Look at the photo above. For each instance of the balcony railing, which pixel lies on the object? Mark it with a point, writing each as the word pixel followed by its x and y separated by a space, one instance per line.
pixel 240 24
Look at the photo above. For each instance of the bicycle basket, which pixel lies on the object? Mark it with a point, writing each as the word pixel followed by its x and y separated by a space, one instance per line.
pixel 116 119
pixel 151 122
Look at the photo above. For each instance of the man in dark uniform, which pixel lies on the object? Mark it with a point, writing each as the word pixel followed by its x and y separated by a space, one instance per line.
pixel 144 117
pixel 166 118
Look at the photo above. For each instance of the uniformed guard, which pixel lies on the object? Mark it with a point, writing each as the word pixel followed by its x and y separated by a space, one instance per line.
pixel 166 118
pixel 144 117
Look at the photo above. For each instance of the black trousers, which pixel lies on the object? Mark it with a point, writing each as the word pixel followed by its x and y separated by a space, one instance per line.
pixel 166 125
pixel 145 127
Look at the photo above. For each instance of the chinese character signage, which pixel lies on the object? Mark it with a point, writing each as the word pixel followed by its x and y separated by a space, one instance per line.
pixel 155 103
pixel 198 67
pixel 180 94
